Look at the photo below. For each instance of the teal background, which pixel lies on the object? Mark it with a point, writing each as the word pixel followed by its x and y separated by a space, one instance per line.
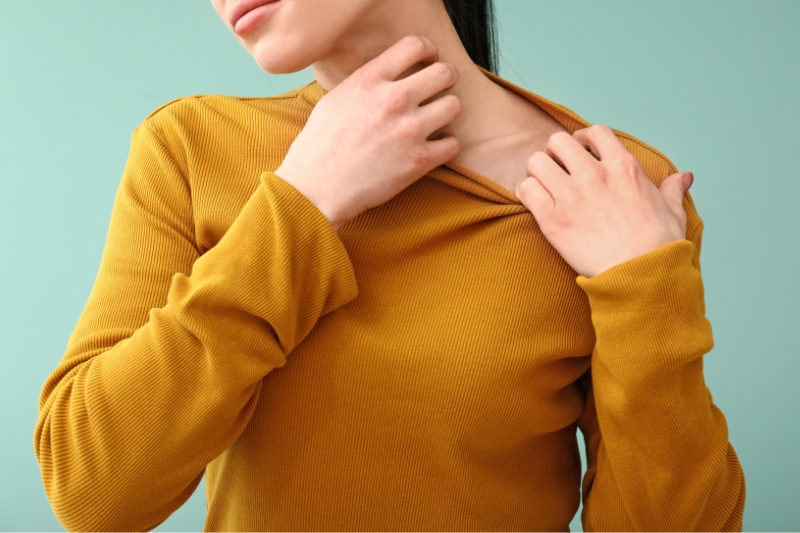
pixel 713 85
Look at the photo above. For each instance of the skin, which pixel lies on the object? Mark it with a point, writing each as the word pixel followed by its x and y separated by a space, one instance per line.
pixel 589 195
pixel 335 42
pixel 600 209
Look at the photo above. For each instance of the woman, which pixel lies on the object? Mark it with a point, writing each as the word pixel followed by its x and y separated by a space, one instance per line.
pixel 331 303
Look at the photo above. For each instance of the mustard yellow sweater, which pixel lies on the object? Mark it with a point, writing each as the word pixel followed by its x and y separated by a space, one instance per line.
pixel 425 368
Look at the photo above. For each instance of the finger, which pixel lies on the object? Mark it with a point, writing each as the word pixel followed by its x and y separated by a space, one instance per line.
pixel 443 149
pixel 426 85
pixel 570 153
pixel 535 197
pixel 552 177
pixel 439 113
pixel 600 139
pixel 404 55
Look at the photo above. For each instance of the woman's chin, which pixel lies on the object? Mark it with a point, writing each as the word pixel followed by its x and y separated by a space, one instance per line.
pixel 282 61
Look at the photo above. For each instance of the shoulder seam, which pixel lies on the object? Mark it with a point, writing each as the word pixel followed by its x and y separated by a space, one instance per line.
pixel 292 95
pixel 167 104
pixel 646 147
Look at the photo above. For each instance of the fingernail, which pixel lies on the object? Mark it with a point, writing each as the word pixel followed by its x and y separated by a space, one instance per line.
pixel 688 179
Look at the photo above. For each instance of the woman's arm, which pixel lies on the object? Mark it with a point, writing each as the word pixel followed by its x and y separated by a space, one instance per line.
pixel 657 447
pixel 164 368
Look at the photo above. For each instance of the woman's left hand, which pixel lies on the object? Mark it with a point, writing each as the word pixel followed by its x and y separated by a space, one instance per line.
pixel 602 210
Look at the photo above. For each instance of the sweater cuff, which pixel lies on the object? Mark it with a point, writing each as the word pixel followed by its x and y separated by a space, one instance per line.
pixel 649 312
pixel 313 235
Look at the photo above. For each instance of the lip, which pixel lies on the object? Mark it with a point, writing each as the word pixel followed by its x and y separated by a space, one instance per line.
pixel 245 6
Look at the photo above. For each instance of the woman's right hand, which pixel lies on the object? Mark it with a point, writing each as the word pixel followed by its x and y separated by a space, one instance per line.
pixel 367 139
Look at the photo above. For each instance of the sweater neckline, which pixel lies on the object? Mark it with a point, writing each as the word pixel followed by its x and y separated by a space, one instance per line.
pixel 452 172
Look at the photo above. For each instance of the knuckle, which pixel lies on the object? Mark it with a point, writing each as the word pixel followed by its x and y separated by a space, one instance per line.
pixel 630 159
pixel 629 164
pixel 562 218
pixel 594 173
pixel 408 130
pixel 397 101
pixel 596 176
pixel 418 158
pixel 363 79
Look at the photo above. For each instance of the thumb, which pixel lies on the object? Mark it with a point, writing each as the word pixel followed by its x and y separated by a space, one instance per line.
pixel 674 186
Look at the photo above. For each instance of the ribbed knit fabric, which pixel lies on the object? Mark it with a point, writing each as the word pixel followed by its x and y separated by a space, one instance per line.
pixel 425 368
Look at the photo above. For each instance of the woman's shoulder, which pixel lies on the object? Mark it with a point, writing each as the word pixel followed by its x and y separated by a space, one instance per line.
pixel 208 113
pixel 190 130
pixel 655 164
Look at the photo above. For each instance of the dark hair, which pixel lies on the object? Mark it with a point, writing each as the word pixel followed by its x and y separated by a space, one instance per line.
pixel 475 23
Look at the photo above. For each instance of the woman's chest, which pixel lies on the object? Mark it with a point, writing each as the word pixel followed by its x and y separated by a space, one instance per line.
pixel 475 278
pixel 480 321
pixel 505 160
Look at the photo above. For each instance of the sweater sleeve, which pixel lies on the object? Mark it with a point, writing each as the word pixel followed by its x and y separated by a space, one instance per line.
pixel 656 445
pixel 164 368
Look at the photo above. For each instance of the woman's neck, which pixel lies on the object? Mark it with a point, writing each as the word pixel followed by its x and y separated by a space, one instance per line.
pixel 489 111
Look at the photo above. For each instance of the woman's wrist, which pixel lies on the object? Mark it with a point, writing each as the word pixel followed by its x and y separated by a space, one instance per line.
pixel 326 203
